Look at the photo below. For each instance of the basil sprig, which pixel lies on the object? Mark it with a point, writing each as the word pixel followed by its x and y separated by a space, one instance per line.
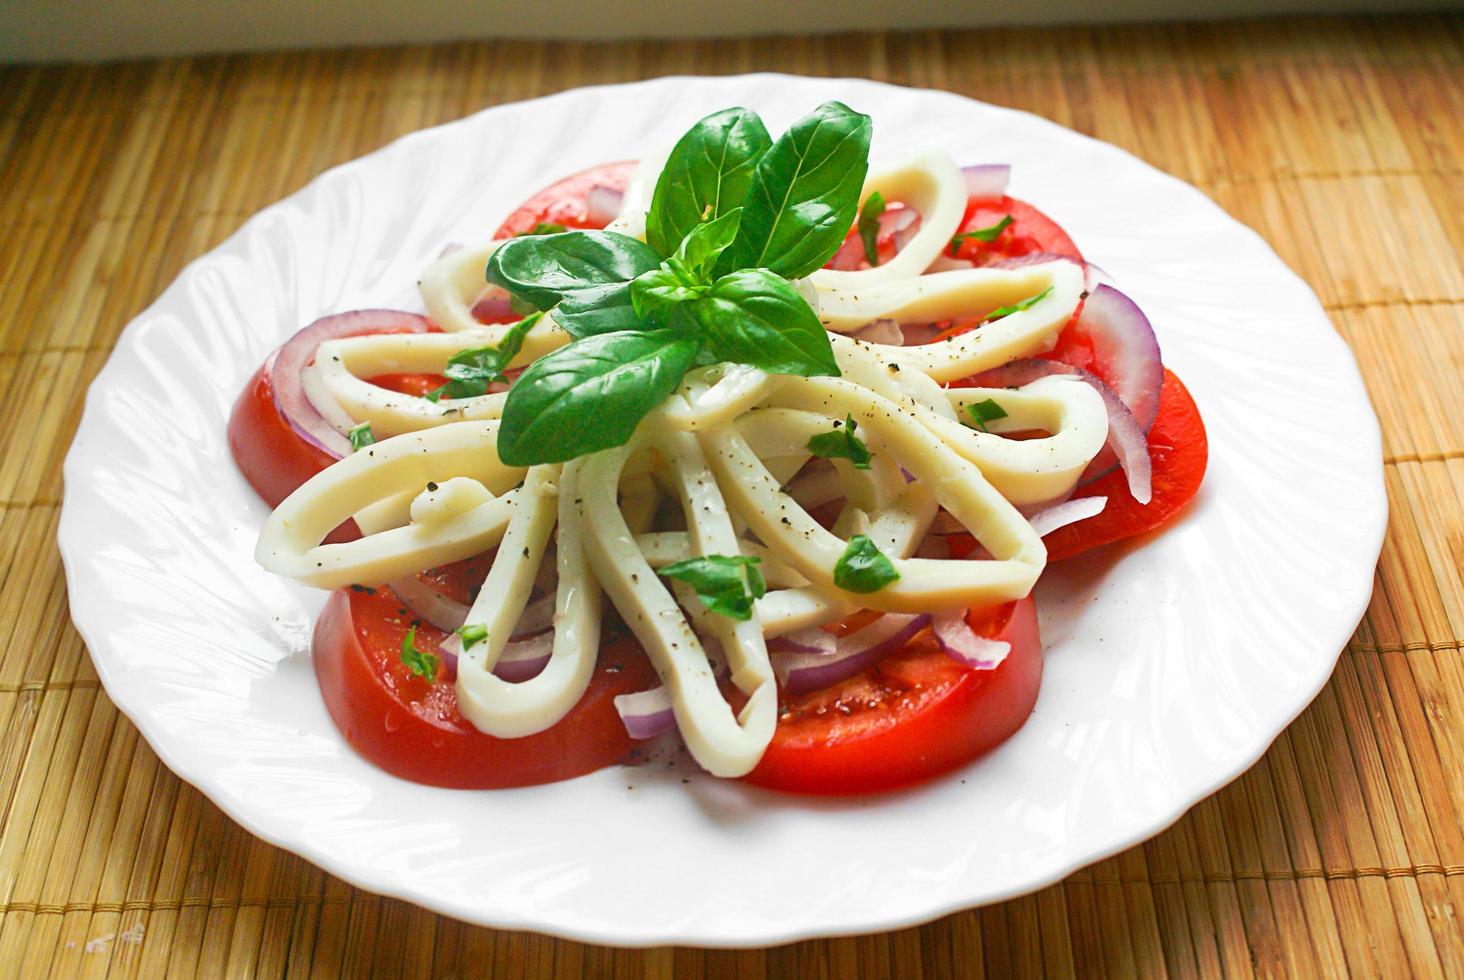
pixel 725 585
pixel 470 372
pixel 733 217
pixel 985 411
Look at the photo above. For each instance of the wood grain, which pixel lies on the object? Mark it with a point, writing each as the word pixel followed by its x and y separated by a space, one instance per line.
pixel 1340 852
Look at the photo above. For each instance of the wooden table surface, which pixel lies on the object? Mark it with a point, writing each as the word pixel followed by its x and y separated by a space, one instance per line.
pixel 1341 851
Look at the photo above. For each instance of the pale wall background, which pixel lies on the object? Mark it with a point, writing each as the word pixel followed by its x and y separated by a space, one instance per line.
pixel 73 30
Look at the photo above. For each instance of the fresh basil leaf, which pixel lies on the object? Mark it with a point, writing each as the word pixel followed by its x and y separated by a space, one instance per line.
pixel 841 443
pixel 869 215
pixel 542 228
pixel 710 167
pixel 983 412
pixel 804 194
pixel 470 372
pixel 657 293
pixel 755 317
pixel 471 634
pixel 602 309
pixel 863 567
pixel 419 662
pixel 981 234
pixel 545 269
pixel 706 242
pixel 725 585
pixel 361 436
pixel 1019 306
pixel 591 394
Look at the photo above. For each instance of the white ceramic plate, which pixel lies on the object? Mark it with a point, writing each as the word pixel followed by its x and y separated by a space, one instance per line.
pixel 1170 667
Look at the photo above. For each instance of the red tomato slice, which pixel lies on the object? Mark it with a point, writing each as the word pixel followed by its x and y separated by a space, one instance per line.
pixel 1180 452
pixel 411 727
pixel 563 202
pixel 267 451
pixel 914 715
pixel 1031 232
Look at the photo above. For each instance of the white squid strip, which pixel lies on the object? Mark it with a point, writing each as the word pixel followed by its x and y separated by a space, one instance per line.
pixel 931 183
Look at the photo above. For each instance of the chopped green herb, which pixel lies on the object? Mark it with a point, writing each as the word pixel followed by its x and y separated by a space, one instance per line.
pixel 361 436
pixel 841 443
pixel 542 228
pixel 987 234
pixel 471 634
pixel 869 215
pixel 1018 307
pixel 470 372
pixel 863 567
pixel 419 662
pixel 725 585
pixel 983 412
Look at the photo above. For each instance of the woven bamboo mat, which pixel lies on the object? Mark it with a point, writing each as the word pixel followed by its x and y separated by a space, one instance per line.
pixel 1341 851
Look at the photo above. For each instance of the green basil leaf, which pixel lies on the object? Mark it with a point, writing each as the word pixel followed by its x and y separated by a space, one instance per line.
pixel 1017 307
pixel 591 394
pixel 985 411
pixel 863 567
pixel 470 372
pixel 471 633
pixel 545 269
pixel 705 243
pixel 657 293
pixel 869 215
pixel 710 167
pixel 725 585
pixel 601 309
pixel 361 436
pixel 419 662
pixel 755 317
pixel 988 234
pixel 842 443
pixel 804 194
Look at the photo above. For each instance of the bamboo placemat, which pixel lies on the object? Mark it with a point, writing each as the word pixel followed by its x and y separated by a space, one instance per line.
pixel 1341 851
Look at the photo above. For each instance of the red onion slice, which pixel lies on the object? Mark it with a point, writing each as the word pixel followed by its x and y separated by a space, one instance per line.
pixel 850 256
pixel 494 305
pixel 523 660
pixel 603 204
pixel 987 179
pixel 1125 343
pixel 881 332
pixel 802 672
pixel 429 605
pixel 646 714
pixel 285 374
pixel 902 225
pixel 1126 438
pixel 964 645
pixel 812 641
pixel 1045 521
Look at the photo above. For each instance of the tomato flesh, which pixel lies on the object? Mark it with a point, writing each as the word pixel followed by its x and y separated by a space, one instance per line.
pixel 565 202
pixel 412 728
pixel 1030 233
pixel 1179 451
pixel 914 715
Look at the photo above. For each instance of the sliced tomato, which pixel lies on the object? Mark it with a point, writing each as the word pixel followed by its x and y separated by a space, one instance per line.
pixel 273 457
pixel 564 202
pixel 914 715
pixel 411 726
pixel 1030 233
pixel 1179 451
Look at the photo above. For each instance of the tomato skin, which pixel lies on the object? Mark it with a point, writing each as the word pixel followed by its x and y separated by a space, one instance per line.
pixel 272 457
pixel 929 715
pixel 1031 232
pixel 1180 452
pixel 412 729
pixel 564 202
